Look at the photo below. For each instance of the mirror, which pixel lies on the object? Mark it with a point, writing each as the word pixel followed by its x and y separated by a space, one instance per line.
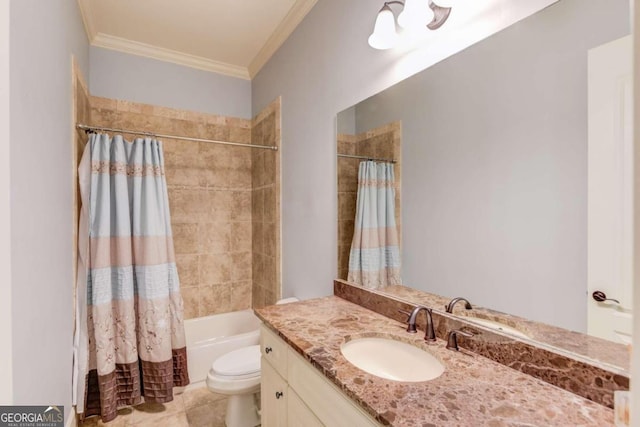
pixel 495 174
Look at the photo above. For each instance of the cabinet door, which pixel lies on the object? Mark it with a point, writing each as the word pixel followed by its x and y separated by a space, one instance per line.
pixel 273 395
pixel 274 350
pixel 298 414
pixel 322 397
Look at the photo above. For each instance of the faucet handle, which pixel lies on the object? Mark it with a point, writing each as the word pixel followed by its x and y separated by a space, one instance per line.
pixel 411 320
pixel 452 339
pixel 411 328
pixel 406 313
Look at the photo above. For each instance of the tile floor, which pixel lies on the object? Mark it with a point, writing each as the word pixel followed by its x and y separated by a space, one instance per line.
pixel 194 408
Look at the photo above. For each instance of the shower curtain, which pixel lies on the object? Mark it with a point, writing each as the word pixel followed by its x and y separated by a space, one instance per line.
pixel 129 339
pixel 374 260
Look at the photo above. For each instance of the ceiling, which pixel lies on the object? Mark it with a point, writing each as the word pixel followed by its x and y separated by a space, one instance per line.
pixel 232 37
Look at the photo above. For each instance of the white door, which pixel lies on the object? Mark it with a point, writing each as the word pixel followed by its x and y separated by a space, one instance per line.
pixel 610 190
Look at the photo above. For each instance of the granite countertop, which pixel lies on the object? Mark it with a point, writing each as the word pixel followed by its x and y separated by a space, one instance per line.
pixel 473 390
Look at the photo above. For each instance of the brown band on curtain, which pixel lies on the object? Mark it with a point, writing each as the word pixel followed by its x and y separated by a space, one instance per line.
pixel 92 394
pixel 122 387
pixel 180 371
pixel 157 378
pixel 107 393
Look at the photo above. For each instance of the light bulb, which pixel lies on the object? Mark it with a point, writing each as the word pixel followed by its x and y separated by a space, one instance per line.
pixel 415 15
pixel 384 34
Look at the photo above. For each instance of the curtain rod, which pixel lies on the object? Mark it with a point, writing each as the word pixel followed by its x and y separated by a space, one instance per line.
pixel 87 128
pixel 366 158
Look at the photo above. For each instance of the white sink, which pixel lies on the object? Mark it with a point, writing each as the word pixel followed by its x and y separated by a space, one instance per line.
pixel 497 325
pixel 391 359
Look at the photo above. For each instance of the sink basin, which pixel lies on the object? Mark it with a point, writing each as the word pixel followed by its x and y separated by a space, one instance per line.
pixel 391 359
pixel 497 325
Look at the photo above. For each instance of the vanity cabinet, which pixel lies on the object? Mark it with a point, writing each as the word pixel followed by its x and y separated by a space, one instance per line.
pixel 294 393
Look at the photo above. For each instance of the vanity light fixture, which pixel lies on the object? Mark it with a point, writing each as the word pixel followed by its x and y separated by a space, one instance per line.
pixel 414 17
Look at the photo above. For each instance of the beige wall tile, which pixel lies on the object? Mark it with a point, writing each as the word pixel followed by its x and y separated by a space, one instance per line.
pixel 345 229
pixel 270 231
pixel 186 128
pixel 270 280
pixel 257 237
pixel 269 167
pixel 257 297
pixel 105 103
pixel 241 240
pixel 182 176
pixel 348 174
pixel 188 270
pixel 270 297
pixel 216 132
pixel 257 168
pixel 241 266
pixel 185 238
pixel 187 205
pixel 101 117
pixel 257 205
pixel 241 206
pixel 240 298
pixel 269 130
pixel 241 135
pixel 190 298
pixel 257 134
pixel 214 238
pixel 257 270
pixel 346 147
pixel 270 204
pixel 347 205
pixel 183 154
pixel 215 269
pixel 219 204
pixel 214 299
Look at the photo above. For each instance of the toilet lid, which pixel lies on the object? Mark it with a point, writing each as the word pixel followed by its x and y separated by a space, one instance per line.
pixel 243 362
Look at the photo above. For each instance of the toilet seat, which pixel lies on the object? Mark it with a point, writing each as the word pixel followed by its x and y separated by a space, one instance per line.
pixel 243 363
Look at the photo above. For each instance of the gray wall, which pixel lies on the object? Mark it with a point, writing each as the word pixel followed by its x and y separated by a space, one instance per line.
pixel 346 121
pixel 495 164
pixel 6 364
pixel 43 36
pixel 135 78
pixel 319 72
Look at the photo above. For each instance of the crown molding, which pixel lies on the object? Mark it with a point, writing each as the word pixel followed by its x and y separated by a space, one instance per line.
pixel 149 51
pixel 87 20
pixel 297 13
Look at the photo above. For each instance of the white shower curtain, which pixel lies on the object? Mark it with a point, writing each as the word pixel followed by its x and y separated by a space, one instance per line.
pixel 374 260
pixel 129 340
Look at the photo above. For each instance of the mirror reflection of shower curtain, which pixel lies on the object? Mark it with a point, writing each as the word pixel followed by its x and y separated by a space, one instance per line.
pixel 374 260
pixel 129 341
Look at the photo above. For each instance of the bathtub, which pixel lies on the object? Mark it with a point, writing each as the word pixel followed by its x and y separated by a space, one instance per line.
pixel 212 336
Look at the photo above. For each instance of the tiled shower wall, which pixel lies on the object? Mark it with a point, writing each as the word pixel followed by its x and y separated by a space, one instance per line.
pixel 265 176
pixel 381 143
pixel 210 196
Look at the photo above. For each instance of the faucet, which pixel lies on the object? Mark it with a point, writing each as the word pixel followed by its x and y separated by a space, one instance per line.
pixel 429 333
pixel 452 339
pixel 453 302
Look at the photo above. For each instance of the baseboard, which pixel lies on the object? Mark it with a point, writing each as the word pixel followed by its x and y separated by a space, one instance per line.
pixel 72 418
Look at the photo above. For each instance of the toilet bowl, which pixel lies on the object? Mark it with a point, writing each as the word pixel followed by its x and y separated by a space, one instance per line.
pixel 237 374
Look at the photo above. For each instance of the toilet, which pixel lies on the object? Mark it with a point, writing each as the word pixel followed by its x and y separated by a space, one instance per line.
pixel 237 375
